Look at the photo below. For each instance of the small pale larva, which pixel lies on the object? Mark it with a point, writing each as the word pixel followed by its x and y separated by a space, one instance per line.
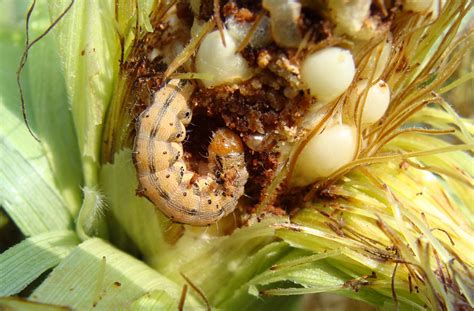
pixel 183 195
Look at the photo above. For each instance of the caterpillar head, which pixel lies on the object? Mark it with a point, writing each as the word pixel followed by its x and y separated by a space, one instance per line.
pixel 225 142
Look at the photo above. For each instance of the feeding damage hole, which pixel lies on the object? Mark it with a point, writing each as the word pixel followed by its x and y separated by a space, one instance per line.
pixel 261 114
pixel 198 137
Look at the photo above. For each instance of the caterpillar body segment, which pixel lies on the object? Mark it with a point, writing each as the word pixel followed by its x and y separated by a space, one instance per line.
pixel 164 179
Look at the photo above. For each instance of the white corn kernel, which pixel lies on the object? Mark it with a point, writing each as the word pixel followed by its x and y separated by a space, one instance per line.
pixel 328 73
pixel 349 16
pixel 220 62
pixel 324 154
pixel 378 60
pixel 284 15
pixel 376 102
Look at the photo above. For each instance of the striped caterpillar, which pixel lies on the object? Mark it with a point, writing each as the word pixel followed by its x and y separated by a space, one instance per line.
pixel 183 195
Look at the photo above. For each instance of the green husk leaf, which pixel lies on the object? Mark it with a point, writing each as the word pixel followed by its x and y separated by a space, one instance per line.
pixel 135 215
pixel 27 192
pixel 155 300
pixel 49 110
pixel 44 98
pixel 325 272
pixel 30 192
pixel 89 49
pixel 97 275
pixel 24 262
pixel 295 303
pixel 13 303
pixel 231 260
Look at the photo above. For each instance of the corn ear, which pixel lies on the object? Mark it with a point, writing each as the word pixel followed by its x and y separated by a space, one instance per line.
pixel 394 228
